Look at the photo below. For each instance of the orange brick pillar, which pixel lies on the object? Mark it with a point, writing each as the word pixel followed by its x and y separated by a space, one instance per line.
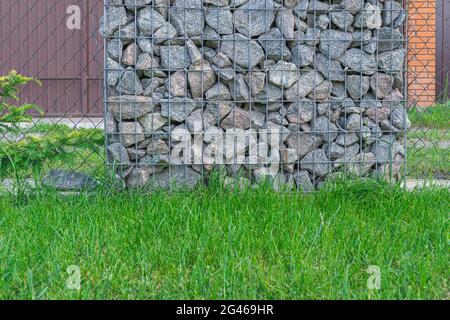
pixel 422 52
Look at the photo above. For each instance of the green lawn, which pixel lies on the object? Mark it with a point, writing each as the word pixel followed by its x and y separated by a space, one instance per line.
pixel 213 243
pixel 437 116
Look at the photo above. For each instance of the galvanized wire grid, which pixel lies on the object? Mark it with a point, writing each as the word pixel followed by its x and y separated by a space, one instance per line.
pixel 133 138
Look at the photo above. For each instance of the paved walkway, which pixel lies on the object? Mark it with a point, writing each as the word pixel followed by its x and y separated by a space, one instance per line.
pixel 78 123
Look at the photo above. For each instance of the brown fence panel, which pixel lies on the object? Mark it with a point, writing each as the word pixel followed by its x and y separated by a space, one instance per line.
pixel 37 42
pixel 443 49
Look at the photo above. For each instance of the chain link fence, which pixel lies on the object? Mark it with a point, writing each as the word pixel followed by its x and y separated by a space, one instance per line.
pixel 429 107
pixel 59 42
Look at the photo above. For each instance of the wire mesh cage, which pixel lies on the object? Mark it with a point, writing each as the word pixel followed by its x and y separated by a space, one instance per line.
pixel 293 92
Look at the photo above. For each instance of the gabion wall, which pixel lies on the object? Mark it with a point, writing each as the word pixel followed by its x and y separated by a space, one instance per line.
pixel 293 91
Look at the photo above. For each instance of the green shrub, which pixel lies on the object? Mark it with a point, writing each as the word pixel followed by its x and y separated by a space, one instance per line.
pixel 28 150
pixel 12 115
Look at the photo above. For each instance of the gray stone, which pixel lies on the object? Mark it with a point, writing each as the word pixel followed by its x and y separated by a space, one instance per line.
pixel 303 181
pixel 167 31
pixel 270 94
pixel 152 122
pixel 177 108
pixel 399 118
pixel 257 119
pixel 342 19
pixel 157 147
pixel 289 155
pixel 303 55
pixel 130 84
pixel 330 69
pixel 389 39
pixel 334 151
pixel 201 78
pixel 303 143
pixel 152 85
pixel 347 139
pixel 255 82
pixel 115 17
pixel 370 17
pixel 146 45
pixel 369 101
pixel 118 155
pixel 322 91
pixel 130 54
pixel 283 74
pixel 187 17
pixel 114 72
pixel 301 8
pixel 127 33
pixel 381 84
pixel 285 21
pixel 318 6
pixel 131 133
pixel 218 3
pixel 316 162
pixel 64 180
pixel 133 3
pixel 174 57
pixel 301 111
pixel 219 110
pixel 115 48
pixel 237 118
pixel 130 107
pixel 349 153
pixel 274 46
pixel 178 177
pixel 393 14
pixel 353 6
pixel 245 52
pixel 353 123
pixel 378 114
pixel 194 53
pixel 149 66
pixel 312 36
pixel 386 149
pixel 176 84
pixel 361 163
pixel 220 19
pixel 359 61
pixel 323 22
pixel 357 86
pixel 334 43
pixel 218 92
pixel 254 17
pixel 391 61
pixel 239 89
pixel 306 83
pixel 324 129
pixel 149 21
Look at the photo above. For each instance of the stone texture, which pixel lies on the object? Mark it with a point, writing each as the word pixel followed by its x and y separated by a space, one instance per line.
pixel 240 49
pixel 69 181
pixel 251 20
pixel 187 17
pixel 309 87
pixel 177 108
pixel 283 74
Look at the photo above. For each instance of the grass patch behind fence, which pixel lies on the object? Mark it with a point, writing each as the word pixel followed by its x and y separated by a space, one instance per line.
pixel 437 116
pixel 218 244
